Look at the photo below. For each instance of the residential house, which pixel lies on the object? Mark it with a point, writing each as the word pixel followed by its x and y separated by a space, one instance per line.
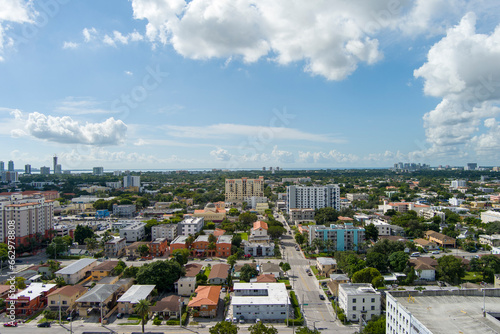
pixel 115 247
pixel 168 307
pixel 103 269
pixel 5 291
pixel 185 285
pixel 259 232
pixel 132 296
pixel 76 271
pixel 32 299
pixel 101 294
pixel 159 247
pixel 265 278
pixel 192 269
pixel 223 246
pixel 426 244
pixel 423 270
pixel 265 301
pixel 218 274
pixel 335 281
pixel 66 296
pixel 440 239
pixel 490 240
pixel 132 250
pixel 206 301
pixel 237 268
pixel 326 265
pixel 359 300
pixel 271 269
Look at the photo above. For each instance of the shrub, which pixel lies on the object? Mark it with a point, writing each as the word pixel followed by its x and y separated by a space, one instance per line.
pixel 184 319
pixel 173 322
pixel 157 322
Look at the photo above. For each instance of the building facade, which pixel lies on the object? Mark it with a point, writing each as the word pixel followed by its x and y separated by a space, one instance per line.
pixel 313 197
pixel 190 225
pixel 238 190
pixel 265 301
pixel 359 300
pixel 343 237
pixel 167 231
pixel 134 232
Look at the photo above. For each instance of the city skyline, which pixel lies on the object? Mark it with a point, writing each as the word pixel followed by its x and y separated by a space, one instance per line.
pixel 235 85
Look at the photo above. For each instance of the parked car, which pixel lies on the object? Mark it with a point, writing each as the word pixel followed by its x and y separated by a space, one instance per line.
pixel 119 315
pixel 415 254
pixel 228 319
pixel 235 320
pixel 309 273
pixel 10 324
pixel 44 324
pixel 257 320
pixel 435 252
pixel 242 321
pixel 321 297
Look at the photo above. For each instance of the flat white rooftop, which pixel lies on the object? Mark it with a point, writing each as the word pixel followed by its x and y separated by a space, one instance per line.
pixel 276 294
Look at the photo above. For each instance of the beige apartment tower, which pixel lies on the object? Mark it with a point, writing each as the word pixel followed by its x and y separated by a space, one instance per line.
pixel 239 190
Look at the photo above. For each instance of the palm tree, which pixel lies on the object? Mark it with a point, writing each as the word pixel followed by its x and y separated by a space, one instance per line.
pixel 318 244
pixel 91 244
pixel 142 309
pixel 329 244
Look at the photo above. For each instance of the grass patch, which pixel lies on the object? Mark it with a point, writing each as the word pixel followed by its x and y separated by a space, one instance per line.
pixel 316 273
pixel 130 323
pixel 472 276
pixel 207 271
pixel 244 236
pixel 34 316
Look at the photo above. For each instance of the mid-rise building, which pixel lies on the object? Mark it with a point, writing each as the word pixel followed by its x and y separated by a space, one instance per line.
pixel 131 181
pixel 58 169
pixel 301 215
pixel 115 247
pixel 491 240
pixel 442 311
pixel 134 232
pixel 190 225
pixel 27 169
pixel 239 190
pixel 359 300
pixel 357 197
pixel 214 212
pixel 490 216
pixel 98 171
pixel 344 237
pixel 313 197
pixel 124 210
pixel 28 216
pixel 265 301
pixel 2 166
pixel 167 231
pixel 44 170
pixel 455 184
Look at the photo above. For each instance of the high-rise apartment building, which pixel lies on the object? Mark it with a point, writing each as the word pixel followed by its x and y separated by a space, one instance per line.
pixel 131 181
pixel 54 164
pixel 11 166
pixel 27 215
pixel 58 169
pixel 98 171
pixel 239 190
pixel 2 166
pixel 45 170
pixel 313 197
pixel 27 169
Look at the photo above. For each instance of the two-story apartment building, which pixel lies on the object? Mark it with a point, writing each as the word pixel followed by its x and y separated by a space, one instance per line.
pixel 359 300
pixel 76 271
pixel 265 301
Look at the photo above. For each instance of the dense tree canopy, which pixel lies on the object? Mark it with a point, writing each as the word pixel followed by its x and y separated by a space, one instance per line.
pixel 163 274
pixel 81 233
pixel 450 269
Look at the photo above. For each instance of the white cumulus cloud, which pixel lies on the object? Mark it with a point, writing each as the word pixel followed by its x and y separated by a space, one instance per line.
pixel 221 154
pixel 69 131
pixel 462 69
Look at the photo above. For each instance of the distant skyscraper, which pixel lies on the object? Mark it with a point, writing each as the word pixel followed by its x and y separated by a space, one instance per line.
pixel 11 166
pixel 471 166
pixel 27 169
pixel 45 170
pixel 54 167
pixel 2 166
pixel 58 169
pixel 98 171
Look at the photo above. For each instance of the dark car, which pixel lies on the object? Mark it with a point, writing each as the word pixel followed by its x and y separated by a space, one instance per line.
pixel 19 261
pixel 321 297
pixel 44 324
pixel 119 315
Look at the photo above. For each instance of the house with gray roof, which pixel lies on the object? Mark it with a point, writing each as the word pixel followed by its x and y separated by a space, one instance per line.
pixel 76 271
pixel 91 301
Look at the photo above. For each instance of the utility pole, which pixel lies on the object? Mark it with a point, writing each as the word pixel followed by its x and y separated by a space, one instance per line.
pixel 101 315
pixel 180 311
pixel 59 309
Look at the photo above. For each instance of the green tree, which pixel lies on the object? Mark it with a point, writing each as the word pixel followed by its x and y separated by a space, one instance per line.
pixel 450 269
pixel 325 216
pixel 365 275
pixel 181 256
pixel 56 247
pixel 212 238
pixel 285 267
pixel 247 272
pixel 163 274
pixel 260 328
pixel 130 272
pixel 119 268
pixel 371 232
pixel 398 261
pixel 377 260
pixel 299 238
pixel 143 250
pixel 224 327
pixel 91 244
pixel 60 281
pixel 236 240
pixel 20 284
pixel 142 309
pixel 231 260
pixel 233 212
pixel 387 247
pixel 247 218
pixel 81 233
pixel 276 231
pixel 376 325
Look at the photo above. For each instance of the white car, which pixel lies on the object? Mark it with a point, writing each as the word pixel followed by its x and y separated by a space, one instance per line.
pixel 435 252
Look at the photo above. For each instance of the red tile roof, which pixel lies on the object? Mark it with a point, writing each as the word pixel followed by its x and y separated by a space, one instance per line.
pixel 259 224
pixel 206 295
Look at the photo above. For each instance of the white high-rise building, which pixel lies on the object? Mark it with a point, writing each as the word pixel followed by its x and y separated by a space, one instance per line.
pixel 313 197
pixel 458 184
pixel 131 181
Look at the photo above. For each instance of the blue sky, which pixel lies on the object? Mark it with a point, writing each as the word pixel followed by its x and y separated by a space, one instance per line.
pixel 244 84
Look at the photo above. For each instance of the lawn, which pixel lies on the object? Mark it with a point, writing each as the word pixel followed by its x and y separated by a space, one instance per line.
pixel 244 236
pixel 207 271
pixel 472 276
pixel 316 273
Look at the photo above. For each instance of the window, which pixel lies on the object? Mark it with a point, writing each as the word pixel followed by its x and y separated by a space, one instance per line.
pixel 373 307
pixel 373 300
pixel 354 308
pixel 354 300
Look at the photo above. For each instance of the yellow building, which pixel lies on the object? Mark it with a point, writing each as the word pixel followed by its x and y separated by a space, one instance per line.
pixel 211 213
pixel 102 270
pixel 67 296
pixel 238 190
